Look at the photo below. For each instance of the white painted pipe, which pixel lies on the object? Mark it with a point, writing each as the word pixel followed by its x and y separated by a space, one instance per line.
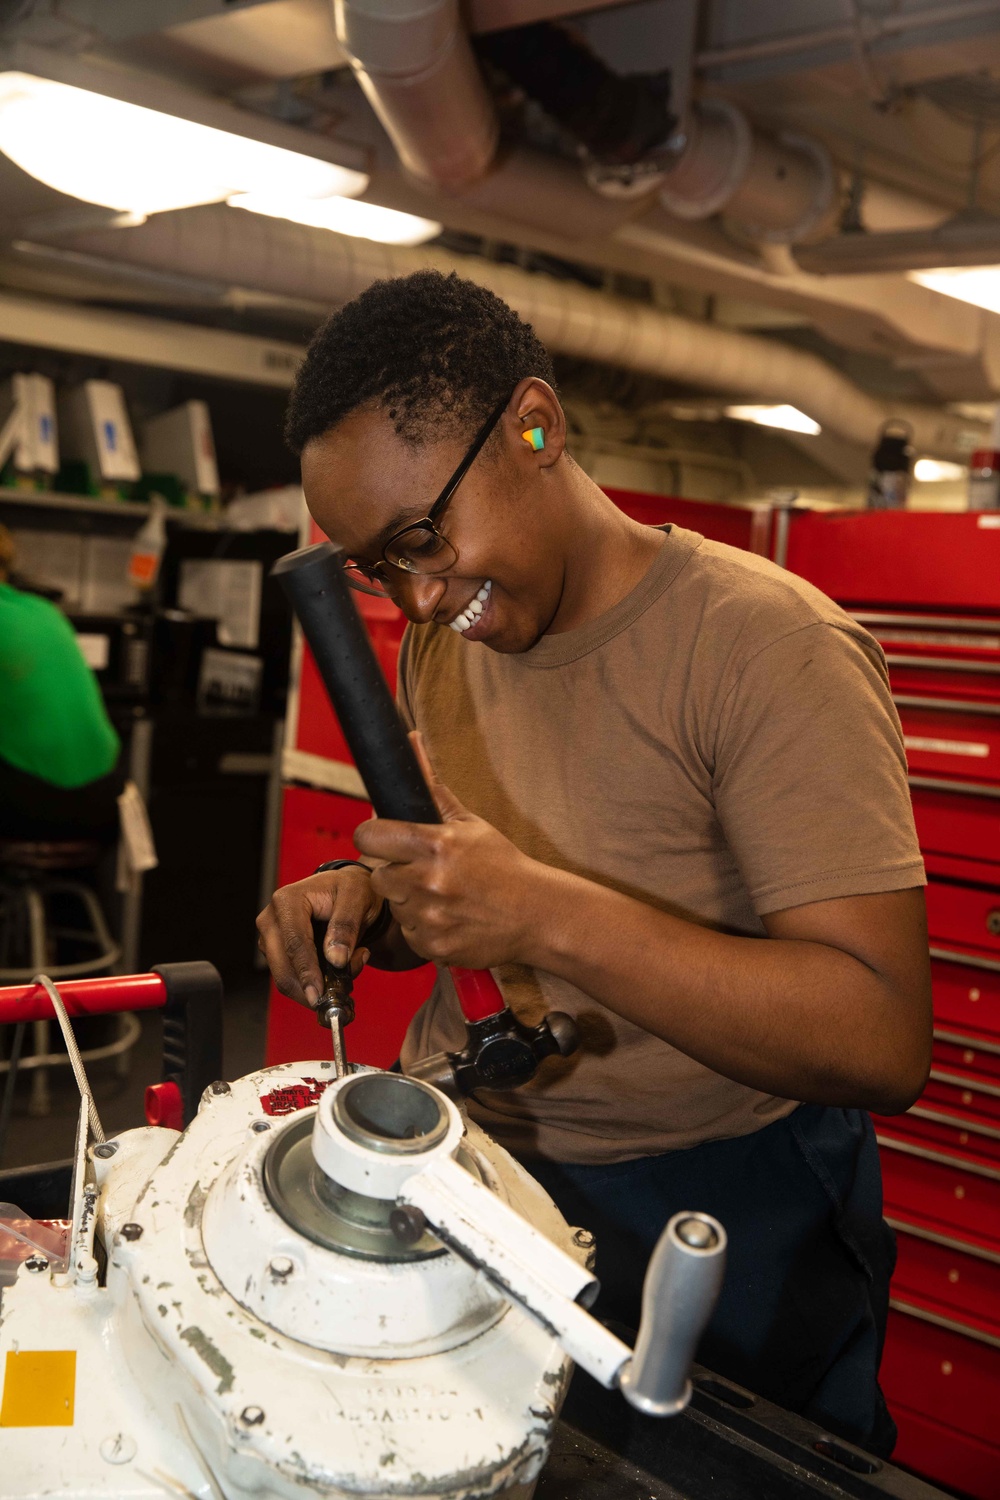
pixel 414 61
pixel 275 255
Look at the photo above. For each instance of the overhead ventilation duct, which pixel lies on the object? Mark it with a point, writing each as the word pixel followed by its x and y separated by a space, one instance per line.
pixel 276 256
pixel 962 241
pixel 415 63
pixel 781 190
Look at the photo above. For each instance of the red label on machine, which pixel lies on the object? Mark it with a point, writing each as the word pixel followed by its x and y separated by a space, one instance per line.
pixel 285 1101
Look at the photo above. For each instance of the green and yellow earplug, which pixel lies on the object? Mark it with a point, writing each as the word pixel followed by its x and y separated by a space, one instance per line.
pixel 534 437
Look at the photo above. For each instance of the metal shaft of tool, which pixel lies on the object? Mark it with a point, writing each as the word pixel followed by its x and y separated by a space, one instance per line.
pixel 337 1034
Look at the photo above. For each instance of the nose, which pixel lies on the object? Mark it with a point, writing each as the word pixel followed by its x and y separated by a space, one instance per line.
pixel 418 596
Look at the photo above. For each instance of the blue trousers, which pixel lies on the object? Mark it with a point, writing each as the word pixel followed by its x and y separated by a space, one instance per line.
pixel 801 1317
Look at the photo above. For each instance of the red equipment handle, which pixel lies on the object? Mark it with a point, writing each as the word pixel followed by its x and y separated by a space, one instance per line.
pixel 190 995
pixel 479 995
pixel 83 997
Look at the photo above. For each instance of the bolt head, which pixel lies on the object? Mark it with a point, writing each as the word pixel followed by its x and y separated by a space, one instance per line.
pixel 584 1238
pixel 106 1149
pixel 131 1231
pixel 281 1266
pixel 259 1126
pixel 407 1224
pixel 36 1264
pixel 220 1086
pixel 252 1416
pixel 118 1448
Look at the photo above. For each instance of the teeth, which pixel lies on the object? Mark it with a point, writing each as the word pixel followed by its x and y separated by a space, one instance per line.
pixel 473 610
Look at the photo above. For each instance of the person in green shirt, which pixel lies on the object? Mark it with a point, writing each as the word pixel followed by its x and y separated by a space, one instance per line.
pixel 58 748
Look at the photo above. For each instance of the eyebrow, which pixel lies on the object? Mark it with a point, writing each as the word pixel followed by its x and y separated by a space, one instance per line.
pixel 400 519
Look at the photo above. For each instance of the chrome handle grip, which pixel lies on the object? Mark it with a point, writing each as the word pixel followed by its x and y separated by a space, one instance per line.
pixel 678 1297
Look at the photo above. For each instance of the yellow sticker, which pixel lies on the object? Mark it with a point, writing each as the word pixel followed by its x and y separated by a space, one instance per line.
pixel 38 1389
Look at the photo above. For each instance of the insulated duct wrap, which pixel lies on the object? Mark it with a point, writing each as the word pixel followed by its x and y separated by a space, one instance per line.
pixel 214 242
pixel 415 63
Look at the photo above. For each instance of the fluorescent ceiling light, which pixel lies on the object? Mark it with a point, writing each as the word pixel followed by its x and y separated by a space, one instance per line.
pixel 979 285
pixel 137 160
pixel 366 221
pixel 788 418
pixel 935 471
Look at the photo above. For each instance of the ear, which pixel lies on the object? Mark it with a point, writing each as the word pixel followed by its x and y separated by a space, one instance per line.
pixel 535 405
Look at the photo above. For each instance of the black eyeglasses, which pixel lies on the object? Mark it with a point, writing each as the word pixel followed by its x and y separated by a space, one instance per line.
pixel 420 547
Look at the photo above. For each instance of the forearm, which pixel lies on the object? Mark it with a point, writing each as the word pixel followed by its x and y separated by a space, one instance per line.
pixel 802 1020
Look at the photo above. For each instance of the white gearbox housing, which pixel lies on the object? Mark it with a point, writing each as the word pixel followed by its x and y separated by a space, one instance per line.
pixel 231 1354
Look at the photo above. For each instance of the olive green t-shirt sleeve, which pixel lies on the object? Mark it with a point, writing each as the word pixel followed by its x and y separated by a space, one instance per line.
pixel 53 724
pixel 810 773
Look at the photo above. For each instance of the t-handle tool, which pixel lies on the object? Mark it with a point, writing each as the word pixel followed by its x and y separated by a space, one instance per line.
pixel 336 1005
pixel 500 1051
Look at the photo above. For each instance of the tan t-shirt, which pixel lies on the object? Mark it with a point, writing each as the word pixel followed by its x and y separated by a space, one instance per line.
pixel 720 744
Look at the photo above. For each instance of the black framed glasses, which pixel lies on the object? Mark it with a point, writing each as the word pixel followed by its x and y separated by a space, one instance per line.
pixel 419 547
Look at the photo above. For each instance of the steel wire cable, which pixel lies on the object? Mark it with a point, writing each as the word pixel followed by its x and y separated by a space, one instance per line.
pixel 75 1060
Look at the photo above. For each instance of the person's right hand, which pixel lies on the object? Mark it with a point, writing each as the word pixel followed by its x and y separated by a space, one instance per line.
pixel 345 901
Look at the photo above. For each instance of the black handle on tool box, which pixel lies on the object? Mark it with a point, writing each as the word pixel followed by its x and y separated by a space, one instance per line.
pixel 192 1030
pixel 313 579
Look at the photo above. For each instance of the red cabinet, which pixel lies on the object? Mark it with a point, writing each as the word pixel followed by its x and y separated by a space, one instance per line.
pixel 928 588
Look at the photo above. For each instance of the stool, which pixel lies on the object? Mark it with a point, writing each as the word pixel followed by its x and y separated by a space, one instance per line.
pixel 32 887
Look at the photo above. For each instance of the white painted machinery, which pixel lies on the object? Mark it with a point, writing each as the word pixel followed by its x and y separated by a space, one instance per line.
pixel 325 1285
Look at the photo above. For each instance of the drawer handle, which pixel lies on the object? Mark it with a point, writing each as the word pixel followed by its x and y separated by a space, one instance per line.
pixel 940 1158
pixel 955 956
pixel 951 1324
pixel 993 922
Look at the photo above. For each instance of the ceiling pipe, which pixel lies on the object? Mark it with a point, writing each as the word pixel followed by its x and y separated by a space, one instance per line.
pixel 959 242
pixel 415 63
pixel 872 29
pixel 277 256
pixel 779 190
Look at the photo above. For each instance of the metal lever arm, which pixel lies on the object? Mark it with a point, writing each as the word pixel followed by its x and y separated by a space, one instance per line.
pixel 680 1291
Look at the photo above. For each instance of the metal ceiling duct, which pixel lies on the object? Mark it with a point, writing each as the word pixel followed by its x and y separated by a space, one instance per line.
pixel 780 190
pixel 214 243
pixel 415 63
pixel 962 241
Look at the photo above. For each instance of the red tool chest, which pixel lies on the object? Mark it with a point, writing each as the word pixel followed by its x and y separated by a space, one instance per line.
pixel 928 588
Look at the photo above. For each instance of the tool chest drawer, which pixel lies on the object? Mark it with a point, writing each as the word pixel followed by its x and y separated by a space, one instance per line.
pixel 940 1454
pixel 963 915
pixel 975 1139
pixel 957 746
pixel 966 996
pixel 942 1382
pixel 957 818
pixel 956 1054
pixel 939 664
pixel 962 1092
pixel 955 1277
pixel 954 1192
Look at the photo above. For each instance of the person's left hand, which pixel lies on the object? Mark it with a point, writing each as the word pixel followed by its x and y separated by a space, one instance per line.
pixel 461 892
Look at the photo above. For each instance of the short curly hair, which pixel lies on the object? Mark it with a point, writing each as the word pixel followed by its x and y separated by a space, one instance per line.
pixel 436 352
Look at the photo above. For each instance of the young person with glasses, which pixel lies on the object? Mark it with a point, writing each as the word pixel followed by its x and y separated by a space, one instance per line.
pixel 675 805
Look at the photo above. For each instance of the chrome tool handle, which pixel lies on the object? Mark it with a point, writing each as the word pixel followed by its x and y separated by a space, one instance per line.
pixel 678 1296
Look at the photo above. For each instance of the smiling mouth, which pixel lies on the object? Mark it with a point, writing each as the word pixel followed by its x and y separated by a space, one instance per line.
pixel 472 611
